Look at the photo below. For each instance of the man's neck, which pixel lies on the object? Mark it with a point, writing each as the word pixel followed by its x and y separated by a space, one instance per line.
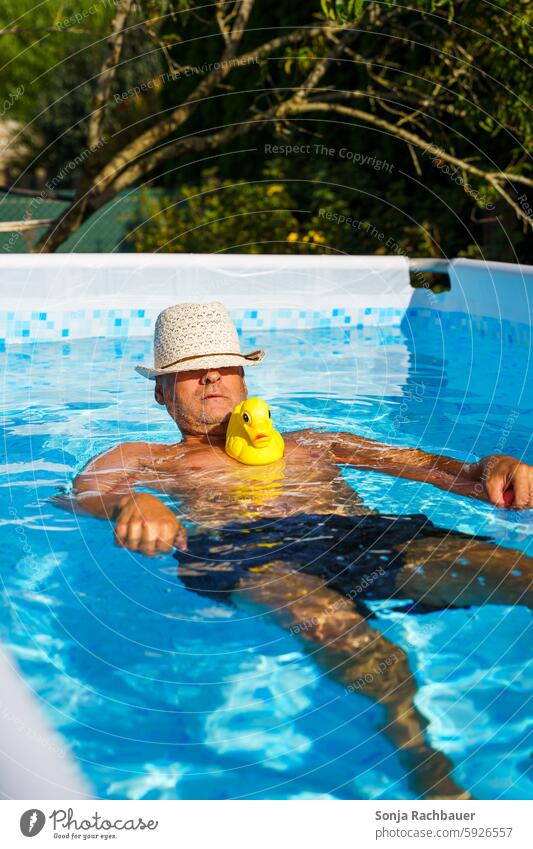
pixel 193 440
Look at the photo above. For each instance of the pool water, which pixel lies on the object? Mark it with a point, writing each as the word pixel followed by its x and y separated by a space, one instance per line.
pixel 162 693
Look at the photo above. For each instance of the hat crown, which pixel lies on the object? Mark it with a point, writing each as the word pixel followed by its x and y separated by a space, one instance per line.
pixel 193 330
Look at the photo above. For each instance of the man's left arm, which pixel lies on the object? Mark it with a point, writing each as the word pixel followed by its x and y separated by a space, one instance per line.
pixel 502 480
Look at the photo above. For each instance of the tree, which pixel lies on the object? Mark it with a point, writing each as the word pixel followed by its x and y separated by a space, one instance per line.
pixel 421 77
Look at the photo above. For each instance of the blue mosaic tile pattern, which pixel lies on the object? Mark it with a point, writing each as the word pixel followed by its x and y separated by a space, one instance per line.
pixel 509 332
pixel 32 326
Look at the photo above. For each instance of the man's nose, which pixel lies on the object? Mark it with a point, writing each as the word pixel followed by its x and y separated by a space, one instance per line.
pixel 210 376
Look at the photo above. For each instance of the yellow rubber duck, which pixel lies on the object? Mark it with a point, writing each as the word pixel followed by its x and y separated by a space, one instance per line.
pixel 251 437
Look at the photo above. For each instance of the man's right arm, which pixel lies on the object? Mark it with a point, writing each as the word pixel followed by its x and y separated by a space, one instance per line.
pixel 106 488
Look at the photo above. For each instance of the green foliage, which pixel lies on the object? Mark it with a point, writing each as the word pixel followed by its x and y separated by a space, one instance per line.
pixel 40 42
pixel 318 212
pixel 451 71
pixel 345 11
pixel 342 10
pixel 222 215
pixel 45 57
pixel 55 56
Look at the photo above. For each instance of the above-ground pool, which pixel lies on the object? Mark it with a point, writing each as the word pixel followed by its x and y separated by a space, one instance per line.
pixel 163 693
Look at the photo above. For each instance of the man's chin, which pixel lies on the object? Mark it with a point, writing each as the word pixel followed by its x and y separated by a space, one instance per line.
pixel 216 417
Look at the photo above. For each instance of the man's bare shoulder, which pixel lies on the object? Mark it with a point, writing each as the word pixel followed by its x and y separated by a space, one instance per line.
pixel 130 455
pixel 125 462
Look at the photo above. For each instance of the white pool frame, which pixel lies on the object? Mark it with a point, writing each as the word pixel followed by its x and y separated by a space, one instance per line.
pixel 49 297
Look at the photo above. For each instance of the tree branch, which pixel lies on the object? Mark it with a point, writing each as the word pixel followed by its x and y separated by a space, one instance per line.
pixel 221 20
pixel 511 178
pixel 193 144
pixel 148 140
pixel 115 44
pixel 178 116
pixel 323 65
pixel 292 38
pixel 295 107
pixel 178 147
pixel 512 203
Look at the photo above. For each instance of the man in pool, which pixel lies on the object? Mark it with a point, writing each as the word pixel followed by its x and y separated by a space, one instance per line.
pixel 292 536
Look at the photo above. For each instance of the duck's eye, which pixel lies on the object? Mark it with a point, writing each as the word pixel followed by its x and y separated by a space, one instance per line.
pixel 246 417
pixel 269 414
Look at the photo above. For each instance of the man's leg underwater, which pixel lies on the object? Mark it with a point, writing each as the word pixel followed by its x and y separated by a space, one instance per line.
pixel 456 571
pixel 358 657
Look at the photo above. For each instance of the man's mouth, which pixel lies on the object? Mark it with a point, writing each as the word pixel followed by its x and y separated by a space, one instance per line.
pixel 208 397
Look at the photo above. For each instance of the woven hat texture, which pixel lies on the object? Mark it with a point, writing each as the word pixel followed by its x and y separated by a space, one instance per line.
pixel 196 336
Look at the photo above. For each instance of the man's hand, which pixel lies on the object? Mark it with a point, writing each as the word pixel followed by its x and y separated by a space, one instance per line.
pixel 145 524
pixel 507 481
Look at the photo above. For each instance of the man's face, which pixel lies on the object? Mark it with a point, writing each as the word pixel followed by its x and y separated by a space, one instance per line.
pixel 201 401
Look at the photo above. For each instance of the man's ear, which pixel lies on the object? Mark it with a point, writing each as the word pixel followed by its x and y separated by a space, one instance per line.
pixel 158 392
pixel 244 382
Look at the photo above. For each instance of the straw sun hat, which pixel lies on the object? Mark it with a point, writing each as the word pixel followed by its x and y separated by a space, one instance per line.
pixel 196 336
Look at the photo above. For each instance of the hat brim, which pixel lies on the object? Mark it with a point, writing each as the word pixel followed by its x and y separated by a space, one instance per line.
pixel 205 362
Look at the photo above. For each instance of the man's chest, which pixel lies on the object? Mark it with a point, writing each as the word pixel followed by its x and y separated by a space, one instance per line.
pixel 191 468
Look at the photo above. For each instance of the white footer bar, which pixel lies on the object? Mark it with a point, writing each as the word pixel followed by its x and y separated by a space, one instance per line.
pixel 313 824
